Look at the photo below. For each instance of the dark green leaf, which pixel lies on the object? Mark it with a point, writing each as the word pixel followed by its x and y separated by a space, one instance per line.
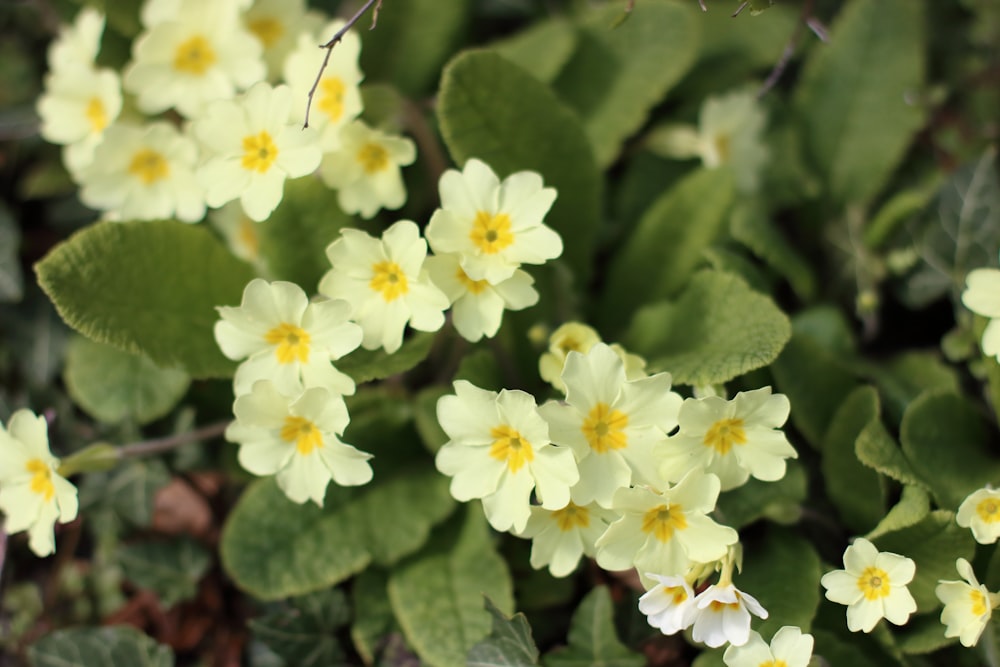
pixel 780 500
pixel 372 612
pixel 11 278
pixel 303 630
pixel 923 633
pixel 114 646
pixel 129 491
pixel 751 226
pixel 367 365
pixel 171 569
pixel 509 644
pixel 907 375
pixel 542 49
pixel 593 640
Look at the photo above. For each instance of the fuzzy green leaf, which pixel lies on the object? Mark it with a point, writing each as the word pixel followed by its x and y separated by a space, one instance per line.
pixel 593 639
pixel 367 365
pixel 877 449
pixel 169 569
pixel 757 500
pixel 752 227
pixel 147 287
pixel 303 630
pixel 716 330
pixel 914 504
pixel 114 646
pixel 542 49
pixel 923 633
pixel 509 644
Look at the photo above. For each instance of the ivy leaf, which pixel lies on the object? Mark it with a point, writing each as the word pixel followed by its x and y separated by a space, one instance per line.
pixel 593 639
pixel 716 330
pixel 147 287
pixel 542 49
pixel 367 365
pixel 129 490
pixel 171 569
pixel 114 646
pixel 302 631
pixel 509 644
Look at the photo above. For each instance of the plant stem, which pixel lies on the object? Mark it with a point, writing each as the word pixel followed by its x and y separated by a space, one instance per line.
pixel 159 445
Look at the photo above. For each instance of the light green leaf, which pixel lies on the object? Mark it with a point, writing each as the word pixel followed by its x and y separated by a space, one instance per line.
pixel 780 500
pixel 372 612
pixel 852 99
pixel 149 287
pixel 509 644
pixel 667 245
pixel 11 280
pixel 593 640
pixel 114 646
pixel 944 437
pixel 493 110
pixel 856 490
pixel 302 631
pixel 367 365
pixel 112 385
pixel 617 75
pixel 914 504
pixel 751 226
pixel 877 449
pixel 542 49
pixel 437 596
pixel 171 569
pixel 716 330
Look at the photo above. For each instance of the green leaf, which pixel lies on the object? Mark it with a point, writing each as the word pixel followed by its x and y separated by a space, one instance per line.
pixel 425 417
pixel 618 75
pixel 273 548
pixel 593 640
pixel 667 245
pixel 542 49
pixel 877 449
pixel 907 375
pixel 716 330
pixel 751 226
pixel 852 99
pixel 171 569
pixel 914 504
pixel 923 633
pixel 130 490
pixel 780 500
pixel 148 287
pixel 114 646
pixel 367 365
pixel 509 644
pixel 944 437
pixel 37 337
pixel 112 385
pixel 437 596
pixel 493 110
pixel 11 279
pixel 934 543
pixel 372 612
pixel 856 490
pixel 302 631
pixel 837 652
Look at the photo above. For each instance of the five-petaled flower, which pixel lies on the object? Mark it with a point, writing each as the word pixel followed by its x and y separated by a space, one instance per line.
pixel 968 605
pixel 980 512
pixel 872 585
pixel 559 538
pixel 723 615
pixel 669 605
pixel 790 647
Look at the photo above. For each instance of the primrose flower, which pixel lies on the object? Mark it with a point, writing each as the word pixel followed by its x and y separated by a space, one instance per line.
pixel 664 532
pixel 386 284
pixel 158 11
pixel 499 451
pixel 968 605
pixel 982 296
pixel 297 440
pixel 790 647
pixel 611 424
pixel 240 233
pixel 559 538
pixel 578 337
pixel 669 605
pixel 980 511
pixel 286 339
pixel 724 615
pixel 198 54
pixel 872 585
pixel 276 24
pixel 33 495
pixel 252 149
pixel 732 439
pixel 365 169
pixel 144 173
pixel 495 226
pixel 477 306
pixel 76 46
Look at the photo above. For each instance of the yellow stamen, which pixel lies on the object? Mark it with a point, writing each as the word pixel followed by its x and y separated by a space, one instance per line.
pixel 508 445
pixel 874 583
pixel 717 606
pixel 678 593
pixel 979 605
pixel 604 428
pixel 259 152
pixel 491 233
pixel 292 343
pixel 663 520
pixel 96 115
pixel 572 516
pixel 774 663
pixel 305 434
pixel 41 479
pixel 724 434
pixel 331 102
pixel 373 158
pixel 988 510
pixel 473 286
pixel 149 166
pixel 194 56
pixel 389 279
pixel 268 29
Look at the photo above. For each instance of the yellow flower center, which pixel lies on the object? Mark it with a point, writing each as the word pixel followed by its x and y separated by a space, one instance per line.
pixel 491 233
pixel 268 29
pixel 41 478
pixel 717 606
pixel 292 343
pixel 473 286
pixel 989 510
pixel 724 434
pixel 676 593
pixel 373 158
pixel 604 428
pixel 723 148
pixel 663 520
pixel 149 166
pixel 979 605
pixel 508 445
pixel 96 115
pixel 331 102
pixel 259 152
pixel 874 583
pixel 303 433
pixel 194 56
pixel 572 516
pixel 390 280
pixel 773 663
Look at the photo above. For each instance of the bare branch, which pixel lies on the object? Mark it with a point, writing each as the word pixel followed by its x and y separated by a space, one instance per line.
pixel 159 445
pixel 739 10
pixel 805 19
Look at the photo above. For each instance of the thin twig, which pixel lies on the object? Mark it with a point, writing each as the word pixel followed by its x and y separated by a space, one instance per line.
pixel 333 42
pixel 159 445
pixel 739 10
pixel 701 3
pixel 818 29
pixel 786 55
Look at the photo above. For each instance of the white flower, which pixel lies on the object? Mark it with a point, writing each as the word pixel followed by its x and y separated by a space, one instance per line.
pixel 499 451
pixel 982 296
pixel 495 226
pixel 732 439
pixel 968 605
pixel 276 24
pixel 240 233
pixel 252 149
pixel 77 45
pixel 612 425
pixel 980 511
pixel 297 441
pixel 33 495
pixel 724 615
pixel 144 173
pixel 559 538
pixel 477 306
pixel 385 282
pixel 364 169
pixel 578 337
pixel 337 100
pixel 286 339
pixel 790 647
pixel 665 532
pixel 198 54
pixel 872 585
pixel 669 606
pixel 158 11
